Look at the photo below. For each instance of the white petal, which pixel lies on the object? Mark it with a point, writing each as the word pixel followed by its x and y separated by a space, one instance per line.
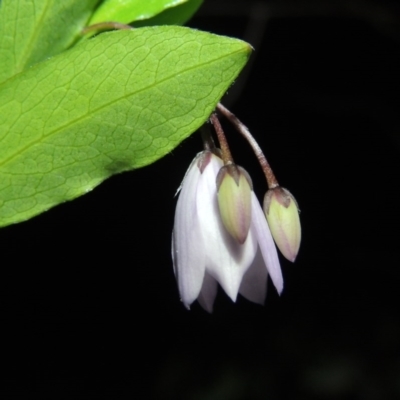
pixel 187 244
pixel 208 293
pixel 227 260
pixel 266 243
pixel 194 161
pixel 254 283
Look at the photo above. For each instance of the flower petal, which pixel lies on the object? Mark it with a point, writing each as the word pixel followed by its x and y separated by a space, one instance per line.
pixel 188 252
pixel 254 282
pixel 266 243
pixel 227 260
pixel 208 293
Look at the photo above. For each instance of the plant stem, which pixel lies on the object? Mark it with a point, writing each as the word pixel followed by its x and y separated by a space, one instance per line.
pixel 103 26
pixel 226 153
pixel 244 131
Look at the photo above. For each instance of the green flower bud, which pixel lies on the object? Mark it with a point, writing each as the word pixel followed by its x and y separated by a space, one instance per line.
pixel 281 210
pixel 234 200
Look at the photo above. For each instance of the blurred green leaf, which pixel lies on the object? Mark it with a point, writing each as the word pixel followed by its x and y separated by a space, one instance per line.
pixel 126 11
pixel 33 30
pixel 119 101
pixel 178 15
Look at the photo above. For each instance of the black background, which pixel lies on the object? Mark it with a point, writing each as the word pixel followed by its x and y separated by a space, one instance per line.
pixel 89 304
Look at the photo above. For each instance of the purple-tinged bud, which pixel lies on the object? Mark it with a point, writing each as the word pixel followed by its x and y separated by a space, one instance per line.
pixel 281 210
pixel 234 188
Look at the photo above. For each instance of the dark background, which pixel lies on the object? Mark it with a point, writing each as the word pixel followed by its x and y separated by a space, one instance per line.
pixel 89 304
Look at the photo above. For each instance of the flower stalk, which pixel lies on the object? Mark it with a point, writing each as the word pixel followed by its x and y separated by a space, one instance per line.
pixel 244 131
pixel 223 143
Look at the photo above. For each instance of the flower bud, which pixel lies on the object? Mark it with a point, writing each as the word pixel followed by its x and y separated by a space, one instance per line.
pixel 281 210
pixel 234 200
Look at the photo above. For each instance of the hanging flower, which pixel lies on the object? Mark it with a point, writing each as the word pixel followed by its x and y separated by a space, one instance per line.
pixel 204 252
pixel 282 214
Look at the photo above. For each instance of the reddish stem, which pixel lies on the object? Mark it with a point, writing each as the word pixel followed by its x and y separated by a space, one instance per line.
pixel 244 131
pixel 226 153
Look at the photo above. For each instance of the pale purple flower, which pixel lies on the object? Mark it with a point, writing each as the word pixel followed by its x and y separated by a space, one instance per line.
pixel 205 254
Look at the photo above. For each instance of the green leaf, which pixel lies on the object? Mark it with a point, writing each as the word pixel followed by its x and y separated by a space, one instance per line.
pixel 126 11
pixel 33 30
pixel 178 15
pixel 113 103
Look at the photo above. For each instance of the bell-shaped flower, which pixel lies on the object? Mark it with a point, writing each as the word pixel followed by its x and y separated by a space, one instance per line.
pixel 204 253
pixel 282 214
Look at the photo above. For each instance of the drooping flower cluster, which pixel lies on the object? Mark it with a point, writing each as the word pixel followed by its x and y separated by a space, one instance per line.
pixel 203 250
pixel 221 234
